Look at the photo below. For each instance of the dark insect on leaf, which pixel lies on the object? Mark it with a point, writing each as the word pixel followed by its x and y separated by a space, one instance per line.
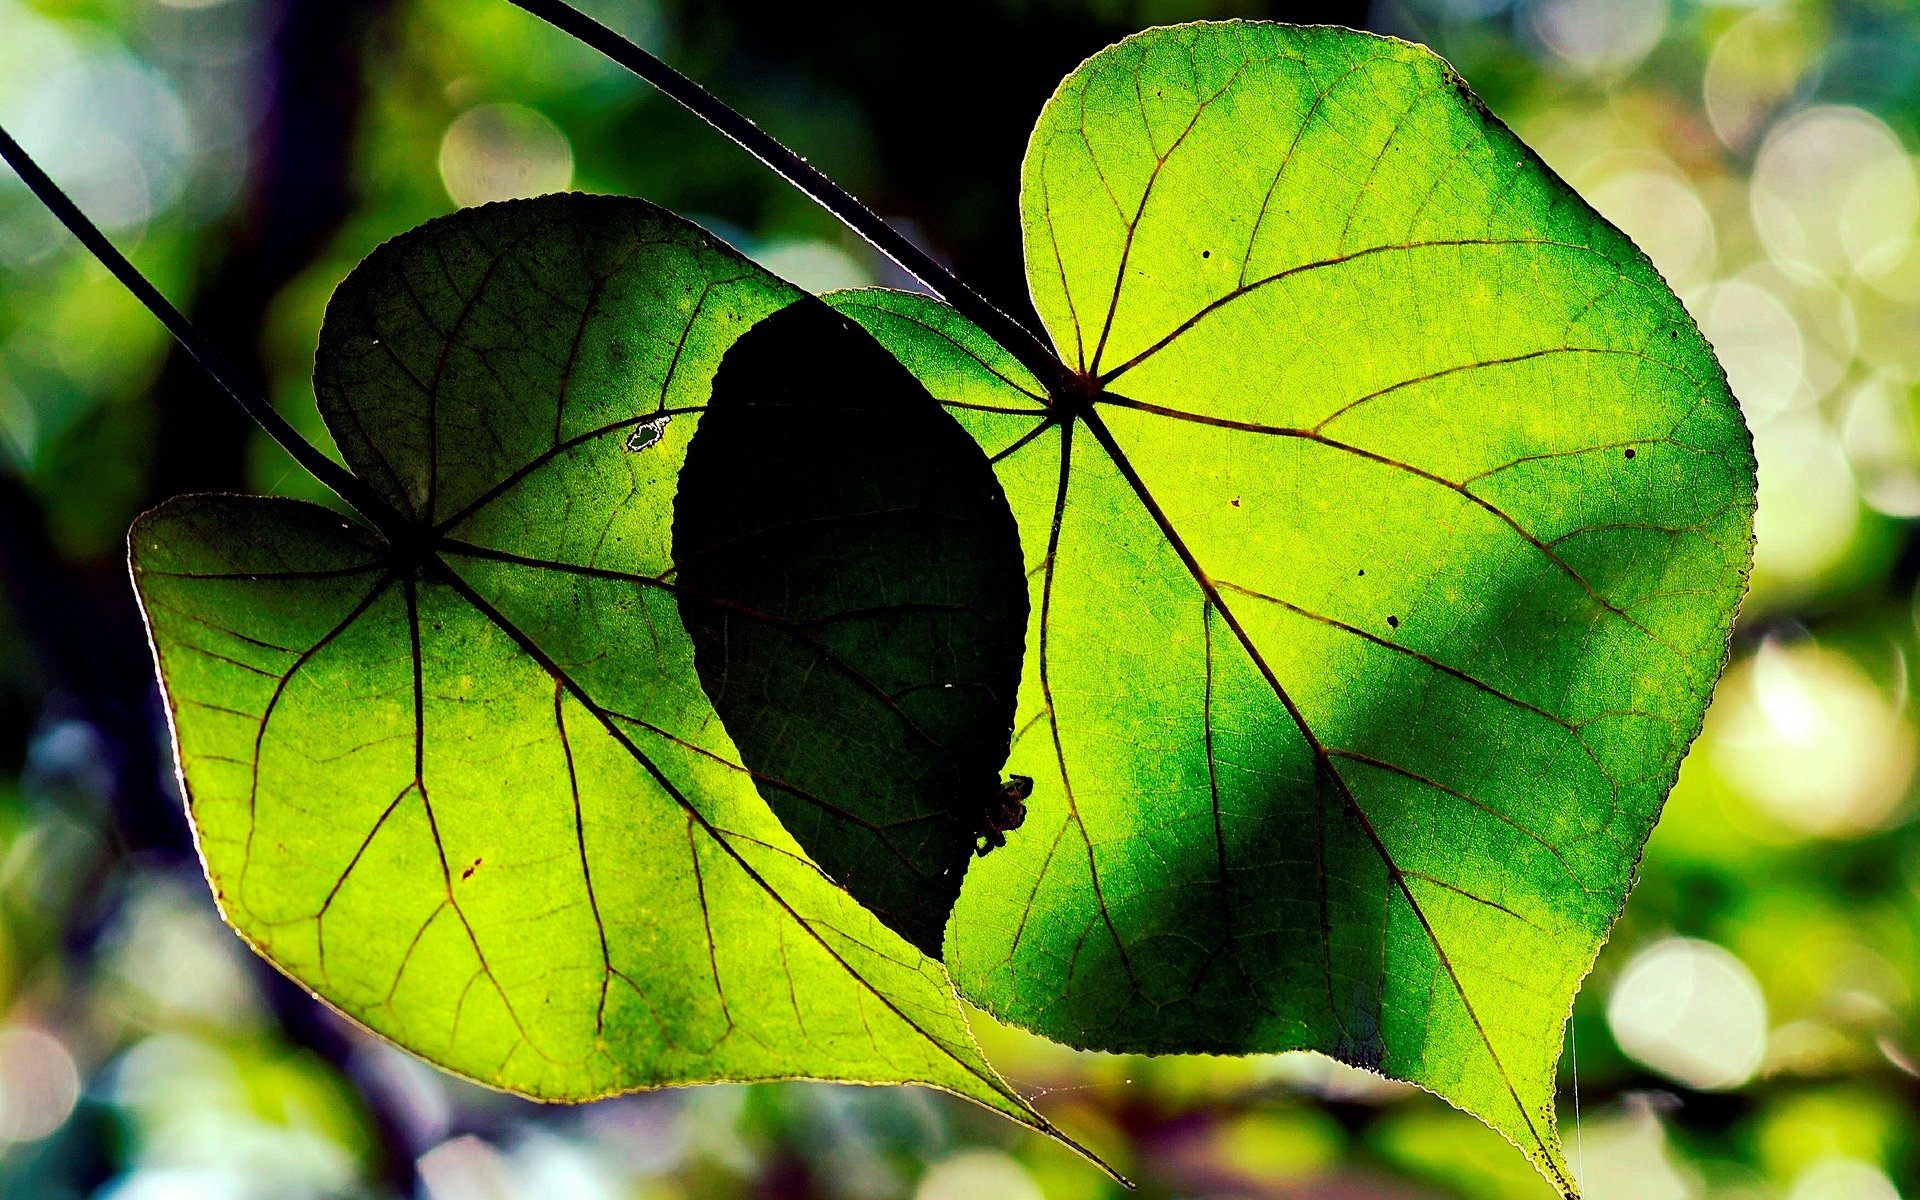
pixel 1007 813
pixel 851 575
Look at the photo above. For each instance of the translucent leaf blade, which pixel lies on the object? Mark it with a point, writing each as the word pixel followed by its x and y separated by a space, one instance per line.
pixel 1381 583
pixel 468 789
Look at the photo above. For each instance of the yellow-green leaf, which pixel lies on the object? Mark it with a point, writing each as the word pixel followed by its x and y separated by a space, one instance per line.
pixel 461 780
pixel 1383 561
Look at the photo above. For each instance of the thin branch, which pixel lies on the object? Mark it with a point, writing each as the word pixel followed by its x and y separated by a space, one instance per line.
pixel 1018 340
pixel 343 483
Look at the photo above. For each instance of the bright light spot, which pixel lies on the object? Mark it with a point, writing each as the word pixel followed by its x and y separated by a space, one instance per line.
pixel 1877 215
pixel 1791 710
pixel 1807 738
pixel 1843 1179
pixel 546 1165
pixel 502 152
pixel 1691 1011
pixel 1809 508
pixel 1754 66
pixel 193 1115
pixel 1664 216
pixel 648 1137
pixel 107 126
pixel 813 266
pixel 1329 1078
pixel 1579 142
pixel 712 1117
pixel 1828 316
pixel 1759 343
pixel 178 1183
pixel 1881 442
pixel 170 1074
pixel 1834 190
pixel 171 958
pixel 34 49
pixel 38 1084
pixel 972 1174
pixel 1626 1159
pixel 466 1168
pixel 1599 38
pixel 112 133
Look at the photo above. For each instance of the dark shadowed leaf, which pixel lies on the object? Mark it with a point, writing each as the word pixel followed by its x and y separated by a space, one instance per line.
pixel 851 577
pixel 1382 568
pixel 467 787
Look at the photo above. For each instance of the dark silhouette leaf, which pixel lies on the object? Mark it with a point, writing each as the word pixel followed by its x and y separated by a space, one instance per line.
pixel 851 576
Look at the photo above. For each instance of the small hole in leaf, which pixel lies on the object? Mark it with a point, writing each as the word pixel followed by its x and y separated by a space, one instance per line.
pixel 1393 622
pixel 468 873
pixel 1206 254
pixel 647 434
pixel 1629 452
pixel 1235 502
pixel 1363 571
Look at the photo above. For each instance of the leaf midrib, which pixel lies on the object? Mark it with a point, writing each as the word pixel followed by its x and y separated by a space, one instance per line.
pixel 389 567
pixel 1088 415
pixel 579 692
pixel 1215 601
pixel 1098 428
pixel 434 569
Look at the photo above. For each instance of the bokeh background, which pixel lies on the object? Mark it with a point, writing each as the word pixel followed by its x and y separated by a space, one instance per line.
pixel 1752 1030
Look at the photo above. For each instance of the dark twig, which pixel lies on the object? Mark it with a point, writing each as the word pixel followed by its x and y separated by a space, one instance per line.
pixel 343 483
pixel 1018 340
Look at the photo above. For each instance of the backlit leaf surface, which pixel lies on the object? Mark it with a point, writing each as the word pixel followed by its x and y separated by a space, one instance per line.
pixel 464 783
pixel 1381 572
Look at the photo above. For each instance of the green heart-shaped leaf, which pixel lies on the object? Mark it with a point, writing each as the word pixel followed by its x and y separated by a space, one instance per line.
pixel 462 781
pixel 1384 559
pixel 851 577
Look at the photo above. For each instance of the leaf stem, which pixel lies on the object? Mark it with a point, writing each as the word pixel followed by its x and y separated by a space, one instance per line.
pixel 343 482
pixel 1018 340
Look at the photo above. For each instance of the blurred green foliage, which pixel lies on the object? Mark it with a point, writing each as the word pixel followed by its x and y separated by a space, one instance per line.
pixel 1751 1030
